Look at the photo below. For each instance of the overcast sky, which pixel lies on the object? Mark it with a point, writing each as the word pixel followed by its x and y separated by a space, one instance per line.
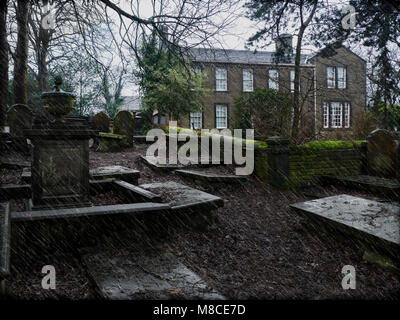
pixel 234 38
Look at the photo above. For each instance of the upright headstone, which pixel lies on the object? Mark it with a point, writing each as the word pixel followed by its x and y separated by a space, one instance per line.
pixel 101 122
pixel 124 124
pixel 383 149
pixel 19 118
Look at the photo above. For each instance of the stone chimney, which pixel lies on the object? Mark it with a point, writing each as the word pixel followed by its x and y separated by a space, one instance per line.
pixel 284 48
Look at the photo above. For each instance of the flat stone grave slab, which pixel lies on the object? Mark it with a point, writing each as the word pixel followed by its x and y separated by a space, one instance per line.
pixel 129 275
pixel 118 172
pixel 373 224
pixel 136 192
pixel 153 163
pixel 89 211
pixel 181 196
pixel 366 182
pixel 209 176
pixel 202 162
pixel 5 228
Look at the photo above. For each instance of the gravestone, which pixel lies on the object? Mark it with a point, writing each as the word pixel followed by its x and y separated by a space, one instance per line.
pixel 124 124
pixel 19 118
pixel 60 164
pixel 383 154
pixel 101 122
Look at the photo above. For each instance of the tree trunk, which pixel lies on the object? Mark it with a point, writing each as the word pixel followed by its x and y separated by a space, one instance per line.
pixel 296 94
pixel 43 48
pixel 21 54
pixel 297 110
pixel 3 63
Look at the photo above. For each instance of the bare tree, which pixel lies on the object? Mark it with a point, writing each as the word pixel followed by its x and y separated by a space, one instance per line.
pixel 277 16
pixel 52 44
pixel 180 24
pixel 3 63
pixel 21 54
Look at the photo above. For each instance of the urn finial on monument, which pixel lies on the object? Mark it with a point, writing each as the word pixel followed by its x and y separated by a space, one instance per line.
pixel 58 103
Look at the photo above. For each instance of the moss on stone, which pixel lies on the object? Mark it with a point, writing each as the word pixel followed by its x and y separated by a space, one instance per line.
pixel 111 135
pixel 329 145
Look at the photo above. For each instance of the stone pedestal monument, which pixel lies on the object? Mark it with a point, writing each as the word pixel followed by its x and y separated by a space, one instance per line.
pixel 60 164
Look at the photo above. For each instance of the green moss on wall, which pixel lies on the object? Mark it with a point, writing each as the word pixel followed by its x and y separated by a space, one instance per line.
pixel 329 145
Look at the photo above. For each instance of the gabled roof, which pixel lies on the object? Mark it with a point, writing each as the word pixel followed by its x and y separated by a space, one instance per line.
pixel 239 56
pixel 328 50
pixel 131 103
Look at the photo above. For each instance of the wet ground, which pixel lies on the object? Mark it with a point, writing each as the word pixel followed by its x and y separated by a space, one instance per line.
pixel 258 249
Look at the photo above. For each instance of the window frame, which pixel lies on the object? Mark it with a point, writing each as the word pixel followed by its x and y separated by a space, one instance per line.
pixel 327 114
pixel 226 115
pixel 328 79
pixel 274 80
pixel 199 117
pixel 345 77
pixel 292 82
pixel 218 79
pixel 248 80
pixel 196 69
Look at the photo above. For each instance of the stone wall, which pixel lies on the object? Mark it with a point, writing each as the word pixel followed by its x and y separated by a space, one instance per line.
pixel 307 166
pixel 235 87
pixel 288 167
pixel 354 93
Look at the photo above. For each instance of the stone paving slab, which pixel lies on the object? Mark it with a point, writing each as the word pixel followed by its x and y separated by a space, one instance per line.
pixel 129 275
pixel 372 222
pixel 88 211
pixel 183 196
pixel 210 177
pixel 118 172
pixel 5 228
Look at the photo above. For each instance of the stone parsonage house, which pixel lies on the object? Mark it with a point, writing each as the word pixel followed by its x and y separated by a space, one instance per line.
pixel 333 86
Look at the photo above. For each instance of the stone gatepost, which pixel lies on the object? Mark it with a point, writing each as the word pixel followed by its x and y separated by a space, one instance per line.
pixel 278 161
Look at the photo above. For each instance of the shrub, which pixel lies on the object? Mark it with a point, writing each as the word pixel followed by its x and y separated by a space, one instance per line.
pixel 267 111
